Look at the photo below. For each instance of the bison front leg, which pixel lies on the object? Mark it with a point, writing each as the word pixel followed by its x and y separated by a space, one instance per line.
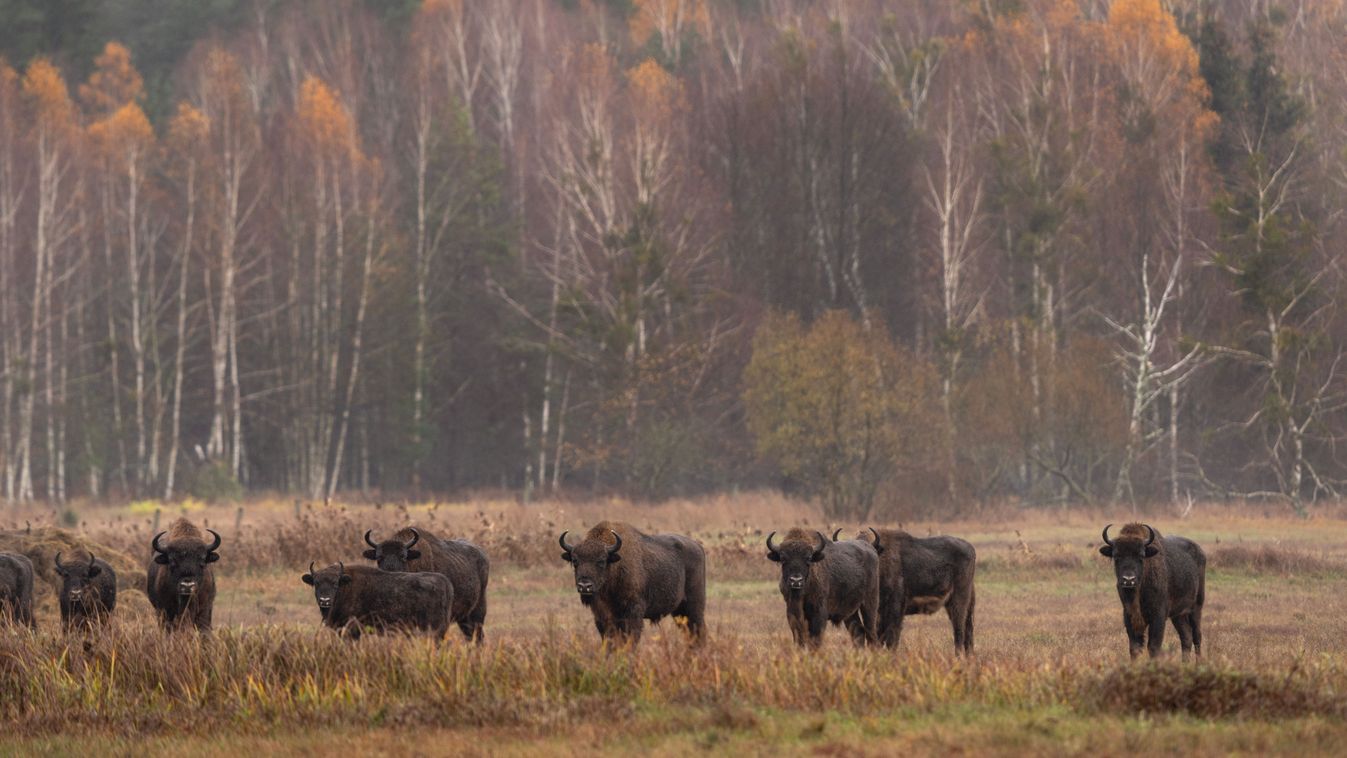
pixel 1136 637
pixel 1156 639
pixel 818 621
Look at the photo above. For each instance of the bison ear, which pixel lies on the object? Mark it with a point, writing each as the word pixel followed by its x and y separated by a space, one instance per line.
pixel 344 580
pixel 308 578
pixel 370 555
pixel 413 554
pixel 161 558
pixel 566 556
pixel 212 557
pixel 614 557
pixel 772 555
pixel 1151 551
pixel 816 557
pixel 1106 551
pixel 95 571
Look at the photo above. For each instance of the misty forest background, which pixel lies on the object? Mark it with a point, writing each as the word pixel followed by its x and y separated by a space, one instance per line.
pixel 900 256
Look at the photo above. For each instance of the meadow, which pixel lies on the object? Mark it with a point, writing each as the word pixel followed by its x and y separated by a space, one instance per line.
pixel 1050 674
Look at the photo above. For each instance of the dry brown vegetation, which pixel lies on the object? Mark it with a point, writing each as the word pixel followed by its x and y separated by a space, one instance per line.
pixel 1050 672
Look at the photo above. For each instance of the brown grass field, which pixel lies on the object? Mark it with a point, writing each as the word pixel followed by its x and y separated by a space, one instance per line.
pixel 1051 673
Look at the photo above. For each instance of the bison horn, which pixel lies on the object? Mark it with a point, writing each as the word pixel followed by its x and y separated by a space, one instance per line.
pixel 564 546
pixel 617 545
pixel 341 568
pixel 369 541
pixel 216 544
pixel 311 568
pixel 154 543
pixel 872 531
pixel 770 549
pixel 822 544
pixel 58 560
pixel 416 537
pixel 836 532
pixel 1107 541
pixel 1152 539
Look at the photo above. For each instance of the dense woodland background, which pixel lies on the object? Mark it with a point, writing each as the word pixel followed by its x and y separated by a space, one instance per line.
pixel 912 254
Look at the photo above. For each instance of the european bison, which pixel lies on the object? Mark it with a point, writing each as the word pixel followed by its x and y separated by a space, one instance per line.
pixel 88 591
pixel 463 563
pixel 923 575
pixel 350 599
pixel 16 589
pixel 625 577
pixel 178 579
pixel 1158 578
pixel 823 581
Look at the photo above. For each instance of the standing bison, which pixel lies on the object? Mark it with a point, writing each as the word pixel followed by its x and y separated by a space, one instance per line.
pixel 1159 578
pixel 923 575
pixel 178 580
pixel 88 591
pixel 364 596
pixel 16 589
pixel 626 577
pixel 822 582
pixel 461 562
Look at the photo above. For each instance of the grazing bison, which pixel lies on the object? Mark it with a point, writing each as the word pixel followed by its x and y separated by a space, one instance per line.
pixel 16 589
pixel 88 591
pixel 822 582
pixel 923 575
pixel 463 563
pixel 178 580
pixel 625 577
pixel 1158 578
pixel 361 596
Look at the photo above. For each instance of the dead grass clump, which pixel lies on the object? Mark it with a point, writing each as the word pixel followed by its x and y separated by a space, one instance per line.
pixel 1269 559
pixel 41 545
pixel 1211 692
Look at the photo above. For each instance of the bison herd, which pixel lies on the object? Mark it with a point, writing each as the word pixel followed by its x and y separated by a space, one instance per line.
pixel 421 582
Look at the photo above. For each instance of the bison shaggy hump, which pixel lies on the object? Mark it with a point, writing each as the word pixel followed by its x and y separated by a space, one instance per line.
pixel 626 577
pixel 178 578
pixel 16 589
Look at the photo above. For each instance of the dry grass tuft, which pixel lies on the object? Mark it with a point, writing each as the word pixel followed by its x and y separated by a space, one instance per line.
pixel 1213 692
pixel 1270 559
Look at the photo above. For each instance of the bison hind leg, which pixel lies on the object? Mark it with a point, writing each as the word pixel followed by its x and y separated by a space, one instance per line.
pixel 1183 625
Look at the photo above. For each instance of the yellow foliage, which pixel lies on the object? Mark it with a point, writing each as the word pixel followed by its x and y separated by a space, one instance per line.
pixel 125 132
pixel 655 92
pixel 188 127
pixel 323 120
pixel 46 90
pixel 666 18
pixel 114 82
pixel 1153 53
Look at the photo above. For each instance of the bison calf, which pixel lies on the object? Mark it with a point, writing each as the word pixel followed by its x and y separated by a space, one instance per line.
pixel 88 591
pixel 16 589
pixel 1159 578
pixel 822 582
pixel 625 577
pixel 923 575
pixel 462 563
pixel 362 596
pixel 178 579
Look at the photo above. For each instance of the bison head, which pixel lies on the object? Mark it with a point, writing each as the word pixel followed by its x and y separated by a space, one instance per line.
pixel 75 578
pixel 325 584
pixel 1128 553
pixel 393 555
pixel 186 560
pixel 591 559
pixel 796 554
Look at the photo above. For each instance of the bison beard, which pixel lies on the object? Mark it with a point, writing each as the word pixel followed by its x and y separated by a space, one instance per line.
pixel 626 577
pixel 178 578
pixel 823 582
pixel 1158 578
pixel 462 563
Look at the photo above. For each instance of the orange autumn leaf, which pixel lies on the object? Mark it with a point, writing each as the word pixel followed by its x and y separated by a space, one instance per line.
pixel 126 132
pixel 114 82
pixel 45 89
pixel 323 120
pixel 656 94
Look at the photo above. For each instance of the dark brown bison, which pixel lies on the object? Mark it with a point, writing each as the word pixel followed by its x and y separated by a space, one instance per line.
pixel 923 575
pixel 823 581
pixel 350 599
pixel 463 563
pixel 626 577
pixel 88 591
pixel 178 579
pixel 16 589
pixel 1159 578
